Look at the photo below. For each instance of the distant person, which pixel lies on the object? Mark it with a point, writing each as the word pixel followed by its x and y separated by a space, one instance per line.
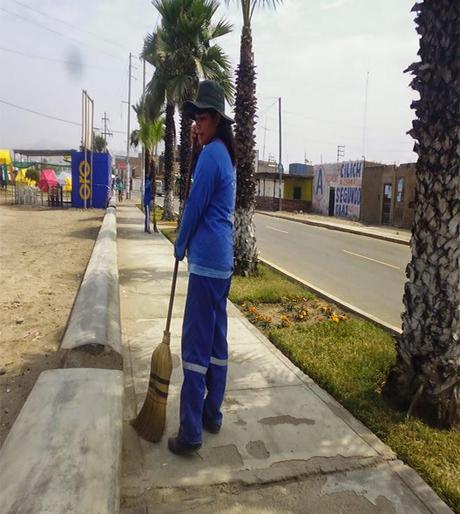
pixel 120 188
pixel 148 197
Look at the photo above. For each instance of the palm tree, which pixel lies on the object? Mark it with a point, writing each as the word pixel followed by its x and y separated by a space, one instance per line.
pixel 99 143
pixel 160 92
pixel 150 133
pixel 245 262
pixel 426 377
pixel 182 52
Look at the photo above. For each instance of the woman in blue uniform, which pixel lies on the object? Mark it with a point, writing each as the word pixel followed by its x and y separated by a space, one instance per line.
pixel 206 237
pixel 148 201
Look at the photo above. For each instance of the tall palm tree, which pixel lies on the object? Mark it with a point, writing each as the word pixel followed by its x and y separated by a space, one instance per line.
pixel 245 262
pixel 426 377
pixel 182 53
pixel 160 92
pixel 150 133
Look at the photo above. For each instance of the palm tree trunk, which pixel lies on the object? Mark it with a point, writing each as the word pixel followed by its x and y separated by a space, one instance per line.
pixel 151 167
pixel 185 158
pixel 168 206
pixel 245 260
pixel 426 376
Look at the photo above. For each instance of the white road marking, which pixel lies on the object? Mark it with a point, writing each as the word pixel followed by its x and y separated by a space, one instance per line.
pixel 277 229
pixel 373 260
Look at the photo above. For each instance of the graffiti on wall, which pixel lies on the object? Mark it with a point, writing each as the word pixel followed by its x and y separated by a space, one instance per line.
pixel 337 188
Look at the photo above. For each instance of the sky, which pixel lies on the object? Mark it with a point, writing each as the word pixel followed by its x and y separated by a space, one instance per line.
pixel 316 55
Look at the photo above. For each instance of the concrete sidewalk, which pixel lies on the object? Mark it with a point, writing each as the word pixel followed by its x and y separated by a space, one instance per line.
pixel 392 234
pixel 285 446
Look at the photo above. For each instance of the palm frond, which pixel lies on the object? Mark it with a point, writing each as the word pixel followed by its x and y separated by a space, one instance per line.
pixel 155 94
pixel 263 3
pixel 248 7
pixel 221 28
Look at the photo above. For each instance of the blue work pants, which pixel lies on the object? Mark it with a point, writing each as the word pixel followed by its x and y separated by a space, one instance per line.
pixel 204 356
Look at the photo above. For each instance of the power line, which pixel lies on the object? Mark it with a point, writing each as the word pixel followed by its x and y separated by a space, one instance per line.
pixel 267 108
pixel 42 13
pixel 40 113
pixel 49 116
pixel 35 23
pixel 320 121
pixel 51 59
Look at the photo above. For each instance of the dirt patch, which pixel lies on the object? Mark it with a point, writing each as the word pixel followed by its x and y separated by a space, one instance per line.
pixel 43 255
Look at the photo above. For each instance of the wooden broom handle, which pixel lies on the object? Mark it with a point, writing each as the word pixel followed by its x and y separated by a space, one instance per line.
pixel 176 264
pixel 171 298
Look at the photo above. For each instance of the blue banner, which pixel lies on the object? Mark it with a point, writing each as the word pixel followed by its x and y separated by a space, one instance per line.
pixel 91 187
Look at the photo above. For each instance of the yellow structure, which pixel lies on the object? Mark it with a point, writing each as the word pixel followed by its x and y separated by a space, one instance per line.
pixel 5 159
pixel 22 180
pixel 298 188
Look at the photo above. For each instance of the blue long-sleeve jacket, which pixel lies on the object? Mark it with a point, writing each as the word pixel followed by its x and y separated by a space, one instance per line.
pixel 206 230
pixel 148 192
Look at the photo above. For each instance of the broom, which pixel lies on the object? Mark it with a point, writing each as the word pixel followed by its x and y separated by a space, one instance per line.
pixel 150 422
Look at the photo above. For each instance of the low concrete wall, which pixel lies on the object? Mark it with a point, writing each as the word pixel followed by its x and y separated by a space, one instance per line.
pixel 272 204
pixel 63 453
pixel 94 323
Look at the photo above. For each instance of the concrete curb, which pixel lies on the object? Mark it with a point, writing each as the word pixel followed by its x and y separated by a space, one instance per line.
pixel 94 322
pixel 328 226
pixel 395 331
pixel 63 453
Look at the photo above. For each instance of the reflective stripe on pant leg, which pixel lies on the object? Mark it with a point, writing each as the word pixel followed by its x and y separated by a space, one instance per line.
pixel 216 376
pixel 197 340
pixel 147 217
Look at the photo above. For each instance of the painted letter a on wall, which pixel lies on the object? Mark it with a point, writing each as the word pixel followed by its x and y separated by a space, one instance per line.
pixel 319 183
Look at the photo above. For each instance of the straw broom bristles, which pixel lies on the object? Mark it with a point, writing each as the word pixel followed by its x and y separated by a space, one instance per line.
pixel 151 420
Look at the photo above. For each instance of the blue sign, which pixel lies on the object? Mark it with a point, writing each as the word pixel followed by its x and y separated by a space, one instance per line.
pixel 91 187
pixel 319 182
pixel 351 169
pixel 344 198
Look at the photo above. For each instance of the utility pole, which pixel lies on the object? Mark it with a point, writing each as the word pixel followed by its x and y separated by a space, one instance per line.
pixel 265 136
pixel 365 114
pixel 340 152
pixel 128 169
pixel 143 147
pixel 105 132
pixel 280 165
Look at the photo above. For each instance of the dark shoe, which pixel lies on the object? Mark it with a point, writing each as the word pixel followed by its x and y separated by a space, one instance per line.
pixel 180 448
pixel 211 428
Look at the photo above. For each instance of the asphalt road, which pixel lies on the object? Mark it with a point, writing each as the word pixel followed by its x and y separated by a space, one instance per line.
pixel 362 271
pixel 365 272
